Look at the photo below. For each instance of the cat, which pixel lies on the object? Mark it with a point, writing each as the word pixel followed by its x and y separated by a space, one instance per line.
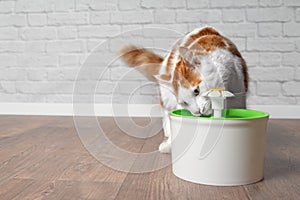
pixel 201 60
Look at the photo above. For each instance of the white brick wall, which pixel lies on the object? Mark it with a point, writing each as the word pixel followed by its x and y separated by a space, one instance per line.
pixel 43 44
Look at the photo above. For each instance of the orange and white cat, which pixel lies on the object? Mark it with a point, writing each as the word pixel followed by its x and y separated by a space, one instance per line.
pixel 201 60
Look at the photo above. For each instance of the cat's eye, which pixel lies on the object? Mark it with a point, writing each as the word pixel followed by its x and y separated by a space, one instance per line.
pixel 196 92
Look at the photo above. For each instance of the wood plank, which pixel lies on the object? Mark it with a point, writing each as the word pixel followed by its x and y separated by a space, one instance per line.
pixel 87 168
pixel 20 132
pixel 44 143
pixel 48 189
pixel 118 149
pixel 13 125
pixel 56 154
pixel 282 165
pixel 163 184
pixel 13 187
pixel 43 158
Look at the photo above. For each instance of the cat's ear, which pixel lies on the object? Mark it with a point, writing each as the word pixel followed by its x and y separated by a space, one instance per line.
pixel 189 57
pixel 164 79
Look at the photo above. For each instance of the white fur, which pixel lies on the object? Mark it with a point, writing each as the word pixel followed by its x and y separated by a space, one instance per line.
pixel 166 124
pixel 220 69
pixel 165 146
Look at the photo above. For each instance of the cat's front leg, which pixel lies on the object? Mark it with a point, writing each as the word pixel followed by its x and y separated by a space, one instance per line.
pixel 165 146
pixel 166 124
pixel 168 102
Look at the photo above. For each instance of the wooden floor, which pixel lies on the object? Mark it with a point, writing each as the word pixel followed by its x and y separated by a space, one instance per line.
pixel 43 158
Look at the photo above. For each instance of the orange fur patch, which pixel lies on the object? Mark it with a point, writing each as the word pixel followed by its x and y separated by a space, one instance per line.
pixel 202 32
pixel 161 102
pixel 185 75
pixel 171 56
pixel 166 77
pixel 208 43
pixel 205 41
pixel 146 61
pixel 136 56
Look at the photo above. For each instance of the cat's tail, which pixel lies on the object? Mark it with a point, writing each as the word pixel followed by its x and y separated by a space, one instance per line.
pixel 147 62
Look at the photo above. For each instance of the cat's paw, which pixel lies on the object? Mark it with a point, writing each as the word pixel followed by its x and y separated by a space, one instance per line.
pixel 165 147
pixel 166 124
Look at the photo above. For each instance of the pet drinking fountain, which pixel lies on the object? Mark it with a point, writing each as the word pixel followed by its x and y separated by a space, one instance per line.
pixel 225 149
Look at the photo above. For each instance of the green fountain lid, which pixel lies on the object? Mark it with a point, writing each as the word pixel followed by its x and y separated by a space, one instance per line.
pixel 228 114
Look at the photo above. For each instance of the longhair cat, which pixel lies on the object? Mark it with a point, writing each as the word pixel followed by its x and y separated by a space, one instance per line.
pixel 201 60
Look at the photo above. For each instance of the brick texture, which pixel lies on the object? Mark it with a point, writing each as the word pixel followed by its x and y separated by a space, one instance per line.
pixel 45 43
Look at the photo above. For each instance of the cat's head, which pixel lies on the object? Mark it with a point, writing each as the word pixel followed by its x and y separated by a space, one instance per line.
pixel 187 83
